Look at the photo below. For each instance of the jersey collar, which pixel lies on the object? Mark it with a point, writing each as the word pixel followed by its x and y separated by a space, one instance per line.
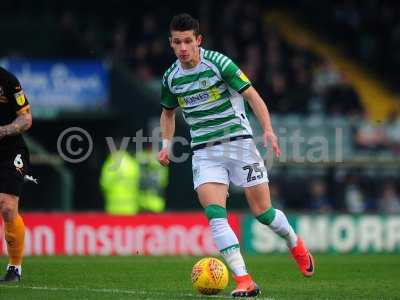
pixel 194 68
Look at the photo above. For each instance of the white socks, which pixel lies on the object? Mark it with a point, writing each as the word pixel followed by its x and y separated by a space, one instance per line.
pixel 280 225
pixel 228 244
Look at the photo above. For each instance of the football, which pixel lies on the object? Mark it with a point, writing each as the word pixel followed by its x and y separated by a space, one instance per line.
pixel 210 276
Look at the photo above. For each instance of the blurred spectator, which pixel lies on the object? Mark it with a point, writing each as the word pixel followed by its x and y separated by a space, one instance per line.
pixel 338 97
pixel 370 135
pixel 354 198
pixel 69 42
pixel 342 99
pixel 276 197
pixel 229 46
pixel 150 28
pixel 153 181
pixel 325 76
pixel 276 95
pixel 389 202
pixel 319 200
pixel 120 183
pixel 392 132
pixel 118 50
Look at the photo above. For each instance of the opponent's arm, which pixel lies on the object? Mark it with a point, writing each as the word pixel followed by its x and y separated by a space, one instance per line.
pixel 261 111
pixel 22 123
pixel 167 123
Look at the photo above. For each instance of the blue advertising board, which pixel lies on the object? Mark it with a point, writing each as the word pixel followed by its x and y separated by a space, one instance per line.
pixel 62 85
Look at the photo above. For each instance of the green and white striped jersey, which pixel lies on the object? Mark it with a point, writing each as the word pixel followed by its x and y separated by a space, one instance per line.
pixel 209 96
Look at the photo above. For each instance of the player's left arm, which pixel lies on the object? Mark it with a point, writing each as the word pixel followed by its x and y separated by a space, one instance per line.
pixel 261 111
pixel 238 81
pixel 19 103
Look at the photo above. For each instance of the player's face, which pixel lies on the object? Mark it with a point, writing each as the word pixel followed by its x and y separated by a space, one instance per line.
pixel 185 45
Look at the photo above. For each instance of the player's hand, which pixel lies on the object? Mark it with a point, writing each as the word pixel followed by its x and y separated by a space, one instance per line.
pixel 270 137
pixel 163 157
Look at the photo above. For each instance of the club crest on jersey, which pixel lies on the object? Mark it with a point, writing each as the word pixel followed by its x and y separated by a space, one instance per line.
pixel 204 84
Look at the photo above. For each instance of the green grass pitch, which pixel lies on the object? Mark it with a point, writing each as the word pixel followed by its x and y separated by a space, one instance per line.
pixel 140 277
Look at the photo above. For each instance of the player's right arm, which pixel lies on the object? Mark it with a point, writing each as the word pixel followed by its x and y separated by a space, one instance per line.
pixel 167 123
pixel 169 103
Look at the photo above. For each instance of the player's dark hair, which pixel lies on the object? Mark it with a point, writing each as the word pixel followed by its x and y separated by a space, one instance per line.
pixel 184 22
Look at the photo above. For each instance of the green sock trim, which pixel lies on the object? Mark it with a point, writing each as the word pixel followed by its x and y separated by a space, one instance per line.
pixel 229 249
pixel 215 211
pixel 267 217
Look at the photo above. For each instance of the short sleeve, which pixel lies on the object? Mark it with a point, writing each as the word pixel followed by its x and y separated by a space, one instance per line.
pixel 16 95
pixel 168 99
pixel 234 77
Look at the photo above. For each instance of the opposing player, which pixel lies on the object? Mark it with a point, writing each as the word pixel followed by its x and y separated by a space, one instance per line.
pixel 15 118
pixel 210 89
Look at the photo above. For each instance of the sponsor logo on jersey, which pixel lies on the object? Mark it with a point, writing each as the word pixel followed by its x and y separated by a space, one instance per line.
pixel 195 99
pixel 242 76
pixel 196 173
pixel 20 98
pixel 19 163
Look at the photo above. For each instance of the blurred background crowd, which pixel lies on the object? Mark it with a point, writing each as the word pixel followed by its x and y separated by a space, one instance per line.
pixel 305 91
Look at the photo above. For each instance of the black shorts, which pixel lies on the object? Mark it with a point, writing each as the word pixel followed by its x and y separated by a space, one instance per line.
pixel 13 168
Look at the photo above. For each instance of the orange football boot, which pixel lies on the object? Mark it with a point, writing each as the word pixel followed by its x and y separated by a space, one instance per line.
pixel 245 287
pixel 303 258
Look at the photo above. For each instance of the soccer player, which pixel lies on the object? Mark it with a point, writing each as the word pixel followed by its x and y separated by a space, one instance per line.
pixel 211 89
pixel 15 118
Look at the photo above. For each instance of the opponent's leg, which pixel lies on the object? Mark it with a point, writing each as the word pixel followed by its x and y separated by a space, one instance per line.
pixel 258 197
pixel 14 232
pixel 212 197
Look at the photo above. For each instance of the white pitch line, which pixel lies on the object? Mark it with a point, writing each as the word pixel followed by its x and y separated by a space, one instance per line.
pixel 117 291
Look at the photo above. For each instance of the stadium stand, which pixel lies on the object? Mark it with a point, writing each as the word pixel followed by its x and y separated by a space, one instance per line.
pixel 367 30
pixel 305 92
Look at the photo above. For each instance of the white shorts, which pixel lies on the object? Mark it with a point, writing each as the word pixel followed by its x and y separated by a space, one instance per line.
pixel 238 162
